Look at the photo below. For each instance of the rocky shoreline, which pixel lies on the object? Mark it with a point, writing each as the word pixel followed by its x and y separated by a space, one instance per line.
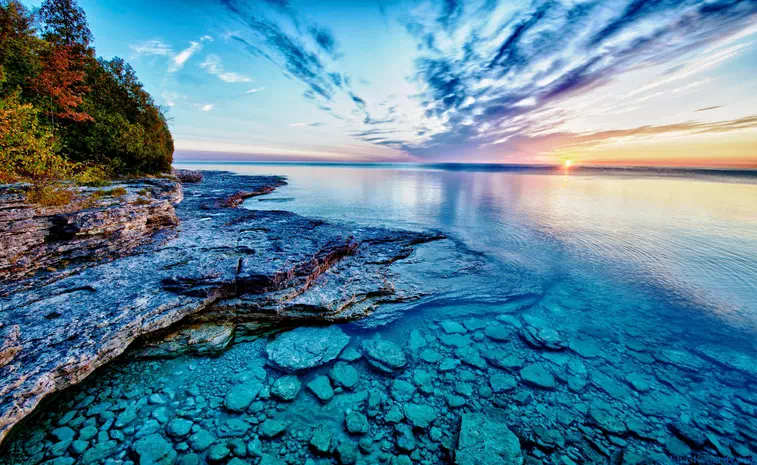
pixel 126 273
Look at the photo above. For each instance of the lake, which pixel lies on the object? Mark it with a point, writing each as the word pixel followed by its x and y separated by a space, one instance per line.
pixel 601 316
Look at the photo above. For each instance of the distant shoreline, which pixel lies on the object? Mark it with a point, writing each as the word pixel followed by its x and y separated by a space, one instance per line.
pixel 749 173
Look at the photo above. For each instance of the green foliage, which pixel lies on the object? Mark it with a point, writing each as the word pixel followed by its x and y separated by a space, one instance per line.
pixel 129 133
pixel 65 114
pixel 27 148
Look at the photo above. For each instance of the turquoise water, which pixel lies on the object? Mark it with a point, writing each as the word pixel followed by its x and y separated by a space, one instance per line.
pixel 636 343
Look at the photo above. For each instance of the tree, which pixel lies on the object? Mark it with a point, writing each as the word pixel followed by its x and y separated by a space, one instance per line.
pixel 65 23
pixel 130 132
pixel 61 80
pixel 27 149
pixel 19 48
pixel 61 83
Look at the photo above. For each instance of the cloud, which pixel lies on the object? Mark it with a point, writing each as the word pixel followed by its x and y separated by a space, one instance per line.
pixel 482 70
pixel 300 125
pixel 203 107
pixel 212 65
pixel 301 56
pixel 152 47
pixel 255 90
pixel 182 57
pixel 709 108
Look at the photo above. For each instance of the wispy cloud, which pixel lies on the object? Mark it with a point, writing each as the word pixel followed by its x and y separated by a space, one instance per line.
pixel 212 65
pixel 182 57
pixel 255 90
pixel 203 107
pixel 152 47
pixel 301 125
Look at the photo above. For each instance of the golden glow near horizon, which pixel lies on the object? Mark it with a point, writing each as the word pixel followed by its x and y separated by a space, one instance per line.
pixel 568 163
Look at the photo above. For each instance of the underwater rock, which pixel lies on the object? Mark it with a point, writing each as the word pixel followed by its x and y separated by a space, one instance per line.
pixel 504 360
pixel 419 415
pixel 402 391
pixel 178 428
pixel 385 356
pixel 153 450
pixel 483 441
pixel 606 418
pixel 344 375
pixel 541 337
pixel 305 348
pixel 453 327
pixel 321 388
pixel 356 423
pixel 729 358
pixel 537 374
pixel 201 440
pixel 271 428
pixel 241 396
pixel 347 453
pixel 320 441
pixel 208 339
pixel 498 333
pixel 286 388
pixel 502 383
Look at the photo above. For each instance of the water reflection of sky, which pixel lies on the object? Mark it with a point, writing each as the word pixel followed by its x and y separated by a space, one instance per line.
pixel 693 237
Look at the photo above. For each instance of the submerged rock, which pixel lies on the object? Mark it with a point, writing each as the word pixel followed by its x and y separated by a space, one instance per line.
pixel 305 348
pixel 320 442
pixel 344 375
pixel 286 388
pixel 153 450
pixel 385 356
pixel 483 441
pixel 419 415
pixel 537 374
pixel 321 388
pixel 241 396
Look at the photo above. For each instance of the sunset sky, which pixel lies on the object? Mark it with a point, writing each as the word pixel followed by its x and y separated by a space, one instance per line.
pixel 621 82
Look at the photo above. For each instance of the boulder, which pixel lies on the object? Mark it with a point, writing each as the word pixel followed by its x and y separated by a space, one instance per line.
pixel 286 388
pixel 538 374
pixel 385 356
pixel 321 388
pixel 153 450
pixel 306 348
pixel 483 441
pixel 241 396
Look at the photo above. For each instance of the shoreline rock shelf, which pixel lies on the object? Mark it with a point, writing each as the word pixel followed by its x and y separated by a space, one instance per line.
pixel 220 274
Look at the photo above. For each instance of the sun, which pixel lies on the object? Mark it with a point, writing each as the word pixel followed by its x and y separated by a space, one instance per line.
pixel 568 163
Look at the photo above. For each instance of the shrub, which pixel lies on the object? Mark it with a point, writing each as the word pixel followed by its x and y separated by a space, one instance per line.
pixel 27 149
pixel 117 192
pixel 92 176
pixel 50 196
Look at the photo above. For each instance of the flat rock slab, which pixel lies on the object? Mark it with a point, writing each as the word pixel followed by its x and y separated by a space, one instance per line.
pixel 483 441
pixel 305 348
pixel 220 265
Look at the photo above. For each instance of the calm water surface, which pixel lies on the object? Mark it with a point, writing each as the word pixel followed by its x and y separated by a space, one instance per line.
pixel 602 317
pixel 692 239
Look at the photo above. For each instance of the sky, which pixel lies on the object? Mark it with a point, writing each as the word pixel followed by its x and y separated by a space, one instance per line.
pixel 625 82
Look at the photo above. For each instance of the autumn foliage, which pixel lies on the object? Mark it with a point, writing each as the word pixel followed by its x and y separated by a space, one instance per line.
pixel 65 113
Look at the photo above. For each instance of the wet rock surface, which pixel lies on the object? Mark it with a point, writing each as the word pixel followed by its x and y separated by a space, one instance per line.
pixel 256 269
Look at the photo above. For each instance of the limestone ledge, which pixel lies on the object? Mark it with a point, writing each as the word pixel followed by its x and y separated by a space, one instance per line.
pixel 220 273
